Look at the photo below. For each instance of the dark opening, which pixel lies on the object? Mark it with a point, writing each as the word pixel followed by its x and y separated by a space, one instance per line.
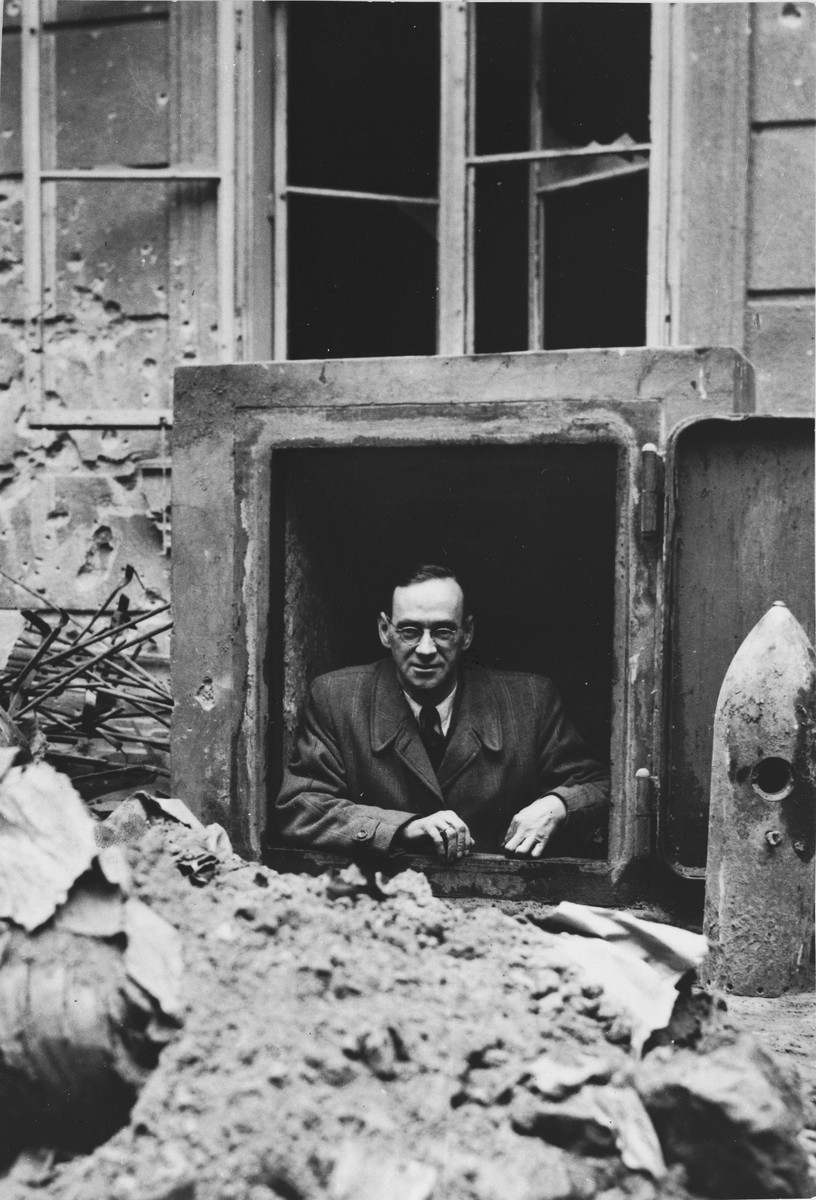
pixel 362 279
pixel 594 87
pixel 530 530
pixel 363 115
pixel 502 78
pixel 773 777
pixel 595 264
pixel 364 96
pixel 596 82
pixel 500 254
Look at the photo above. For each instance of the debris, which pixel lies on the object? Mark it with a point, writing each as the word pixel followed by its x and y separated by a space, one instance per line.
pixel 381 1049
pixel 90 977
pixel 594 1121
pixel 322 1013
pixel 558 1073
pixel 731 1117
pixel 357 1177
pixel 46 843
pixel 132 817
pixel 81 686
pixel 12 624
pixel 637 963
pixel 12 736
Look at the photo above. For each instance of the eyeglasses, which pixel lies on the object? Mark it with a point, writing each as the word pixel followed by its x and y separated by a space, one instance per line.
pixel 411 635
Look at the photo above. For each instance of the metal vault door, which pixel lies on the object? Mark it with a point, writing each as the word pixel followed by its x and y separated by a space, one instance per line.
pixel 249 633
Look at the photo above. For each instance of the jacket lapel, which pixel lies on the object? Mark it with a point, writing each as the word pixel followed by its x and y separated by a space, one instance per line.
pixel 392 723
pixel 475 724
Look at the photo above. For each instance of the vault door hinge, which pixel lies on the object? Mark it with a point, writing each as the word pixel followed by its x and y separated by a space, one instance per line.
pixel 652 474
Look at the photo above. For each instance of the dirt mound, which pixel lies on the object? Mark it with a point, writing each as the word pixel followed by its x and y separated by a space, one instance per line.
pixel 342 1043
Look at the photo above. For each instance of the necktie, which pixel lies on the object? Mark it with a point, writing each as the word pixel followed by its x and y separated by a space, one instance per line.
pixel 433 738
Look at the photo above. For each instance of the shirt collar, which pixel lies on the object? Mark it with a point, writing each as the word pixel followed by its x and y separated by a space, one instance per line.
pixel 444 708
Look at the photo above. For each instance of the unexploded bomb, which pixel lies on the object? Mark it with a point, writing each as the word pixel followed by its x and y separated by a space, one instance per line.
pixel 760 869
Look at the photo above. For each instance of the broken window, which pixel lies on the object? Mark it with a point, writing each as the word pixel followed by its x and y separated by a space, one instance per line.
pixel 475 180
pixel 127 205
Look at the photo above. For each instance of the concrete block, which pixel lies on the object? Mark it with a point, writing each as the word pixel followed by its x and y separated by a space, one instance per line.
pixel 784 67
pixel 779 341
pixel 781 244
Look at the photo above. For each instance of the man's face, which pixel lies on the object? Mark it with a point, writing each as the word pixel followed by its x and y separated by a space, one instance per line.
pixel 427 671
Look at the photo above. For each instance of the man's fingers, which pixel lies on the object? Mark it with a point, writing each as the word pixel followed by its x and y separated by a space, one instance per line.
pixel 438 838
pixel 458 834
pixel 513 843
pixel 528 843
pixel 447 831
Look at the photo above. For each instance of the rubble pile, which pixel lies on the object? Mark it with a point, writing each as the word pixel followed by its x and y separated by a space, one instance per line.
pixel 351 1038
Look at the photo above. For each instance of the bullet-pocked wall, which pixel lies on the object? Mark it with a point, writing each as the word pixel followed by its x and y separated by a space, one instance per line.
pixel 130 270
pixel 124 297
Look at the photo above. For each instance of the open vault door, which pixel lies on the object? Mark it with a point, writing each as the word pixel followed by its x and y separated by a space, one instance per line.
pixel 298 487
pixel 740 536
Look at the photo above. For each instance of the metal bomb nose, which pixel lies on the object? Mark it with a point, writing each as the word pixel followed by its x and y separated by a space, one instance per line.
pixel 762 821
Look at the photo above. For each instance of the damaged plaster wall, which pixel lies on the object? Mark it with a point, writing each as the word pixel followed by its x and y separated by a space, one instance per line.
pixel 120 305
pixel 129 272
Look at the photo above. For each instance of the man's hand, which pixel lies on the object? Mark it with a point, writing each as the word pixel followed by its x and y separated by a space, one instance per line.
pixel 532 828
pixel 448 832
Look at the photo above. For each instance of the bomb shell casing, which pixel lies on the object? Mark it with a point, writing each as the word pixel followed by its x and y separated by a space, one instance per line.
pixel 762 824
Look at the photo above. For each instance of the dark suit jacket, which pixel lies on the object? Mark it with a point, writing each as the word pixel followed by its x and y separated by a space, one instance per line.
pixel 359 770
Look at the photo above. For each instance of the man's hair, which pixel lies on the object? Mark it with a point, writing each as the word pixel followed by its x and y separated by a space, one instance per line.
pixel 420 572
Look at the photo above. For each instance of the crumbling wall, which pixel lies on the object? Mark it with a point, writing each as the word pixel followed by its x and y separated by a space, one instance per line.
pixel 129 271
pixel 128 291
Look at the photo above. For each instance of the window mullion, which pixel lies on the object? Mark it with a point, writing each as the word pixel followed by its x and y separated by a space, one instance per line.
pixel 32 200
pixel 452 267
pixel 225 211
pixel 280 297
pixel 658 285
pixel 535 206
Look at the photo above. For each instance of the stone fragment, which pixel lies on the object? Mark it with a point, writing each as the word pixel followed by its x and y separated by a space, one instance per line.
pixel 574 1124
pixel 594 1121
pixel 545 982
pixel 361 1175
pixel 46 843
pixel 381 1049
pixel 731 1117
pixel 11 360
pixel 332 1066
pixel 557 1073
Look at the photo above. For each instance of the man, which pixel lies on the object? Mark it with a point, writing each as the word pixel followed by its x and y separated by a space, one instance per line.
pixel 422 752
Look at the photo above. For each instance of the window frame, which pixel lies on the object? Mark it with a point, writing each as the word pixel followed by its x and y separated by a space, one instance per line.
pixel 458 166
pixel 187 27
pixel 697 202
